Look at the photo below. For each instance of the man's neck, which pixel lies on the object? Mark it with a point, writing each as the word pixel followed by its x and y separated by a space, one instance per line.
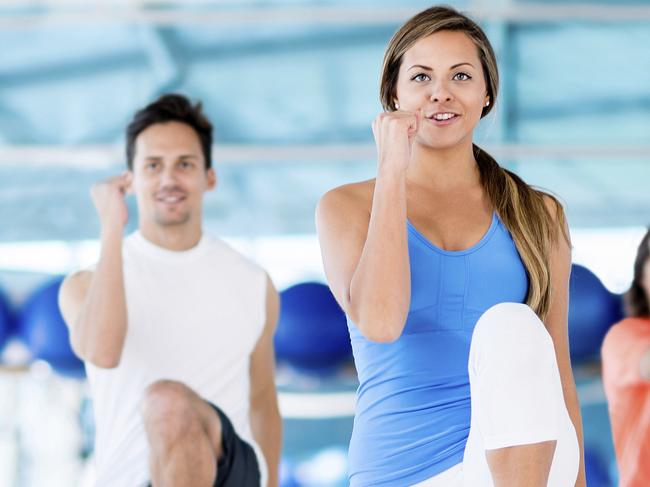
pixel 172 237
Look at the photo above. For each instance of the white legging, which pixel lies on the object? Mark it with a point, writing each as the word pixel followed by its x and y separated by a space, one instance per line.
pixel 516 397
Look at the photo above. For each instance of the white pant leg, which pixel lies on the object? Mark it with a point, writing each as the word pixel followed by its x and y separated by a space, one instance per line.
pixel 452 477
pixel 516 394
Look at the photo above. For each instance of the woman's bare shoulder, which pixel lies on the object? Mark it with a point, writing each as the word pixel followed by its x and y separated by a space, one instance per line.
pixel 350 200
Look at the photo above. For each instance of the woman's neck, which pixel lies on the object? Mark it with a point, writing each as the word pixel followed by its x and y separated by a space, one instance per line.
pixel 440 169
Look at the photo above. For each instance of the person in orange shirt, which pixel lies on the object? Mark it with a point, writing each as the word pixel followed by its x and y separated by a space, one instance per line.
pixel 626 377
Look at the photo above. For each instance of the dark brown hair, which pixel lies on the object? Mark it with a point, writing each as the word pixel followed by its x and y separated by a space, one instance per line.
pixel 522 209
pixel 636 299
pixel 170 108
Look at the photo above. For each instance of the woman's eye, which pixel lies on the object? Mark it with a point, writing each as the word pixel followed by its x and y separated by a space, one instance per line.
pixel 185 164
pixel 420 77
pixel 462 77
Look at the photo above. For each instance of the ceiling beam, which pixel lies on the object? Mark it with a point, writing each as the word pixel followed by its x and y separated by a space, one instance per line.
pixel 65 13
pixel 95 157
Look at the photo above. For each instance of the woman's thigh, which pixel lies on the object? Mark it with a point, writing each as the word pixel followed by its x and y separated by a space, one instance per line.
pixel 517 396
pixel 452 477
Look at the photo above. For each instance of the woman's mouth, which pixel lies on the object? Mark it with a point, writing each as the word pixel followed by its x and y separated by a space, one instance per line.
pixel 443 118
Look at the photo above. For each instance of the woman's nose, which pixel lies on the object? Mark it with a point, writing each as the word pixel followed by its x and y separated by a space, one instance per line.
pixel 440 93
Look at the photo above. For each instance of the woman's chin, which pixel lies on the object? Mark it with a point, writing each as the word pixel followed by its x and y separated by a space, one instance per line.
pixel 440 143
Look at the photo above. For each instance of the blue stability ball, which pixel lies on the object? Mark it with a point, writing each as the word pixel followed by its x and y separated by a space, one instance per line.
pixel 312 332
pixel 287 475
pixel 592 310
pixel 596 469
pixel 43 330
pixel 5 320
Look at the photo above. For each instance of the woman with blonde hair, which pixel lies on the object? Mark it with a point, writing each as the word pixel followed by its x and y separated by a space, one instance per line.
pixel 453 273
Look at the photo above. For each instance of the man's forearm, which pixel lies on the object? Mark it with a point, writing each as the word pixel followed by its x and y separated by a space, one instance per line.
pixel 101 327
pixel 266 424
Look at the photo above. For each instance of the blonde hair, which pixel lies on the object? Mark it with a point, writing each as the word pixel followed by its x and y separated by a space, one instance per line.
pixel 520 207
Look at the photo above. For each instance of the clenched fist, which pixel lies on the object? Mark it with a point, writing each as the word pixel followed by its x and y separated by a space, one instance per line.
pixel 394 135
pixel 108 198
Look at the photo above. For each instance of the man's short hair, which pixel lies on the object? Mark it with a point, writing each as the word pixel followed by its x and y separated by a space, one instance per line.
pixel 171 107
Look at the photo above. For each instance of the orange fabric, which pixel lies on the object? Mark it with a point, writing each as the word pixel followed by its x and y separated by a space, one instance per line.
pixel 628 397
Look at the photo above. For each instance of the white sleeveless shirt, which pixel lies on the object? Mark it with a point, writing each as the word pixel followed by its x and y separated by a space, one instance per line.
pixel 193 316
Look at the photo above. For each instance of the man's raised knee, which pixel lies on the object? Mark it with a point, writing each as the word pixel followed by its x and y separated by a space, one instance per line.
pixel 167 407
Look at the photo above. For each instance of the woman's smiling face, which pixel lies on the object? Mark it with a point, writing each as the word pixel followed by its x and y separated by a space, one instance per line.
pixel 441 77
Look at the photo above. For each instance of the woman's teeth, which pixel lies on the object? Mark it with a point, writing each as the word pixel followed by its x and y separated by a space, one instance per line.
pixel 443 116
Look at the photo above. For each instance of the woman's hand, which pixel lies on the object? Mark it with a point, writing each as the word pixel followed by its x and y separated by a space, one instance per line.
pixel 394 135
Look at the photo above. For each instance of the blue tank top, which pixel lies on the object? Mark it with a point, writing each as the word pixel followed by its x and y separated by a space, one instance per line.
pixel 413 402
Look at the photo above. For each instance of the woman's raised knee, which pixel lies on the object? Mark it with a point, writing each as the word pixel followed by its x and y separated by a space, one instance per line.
pixel 512 333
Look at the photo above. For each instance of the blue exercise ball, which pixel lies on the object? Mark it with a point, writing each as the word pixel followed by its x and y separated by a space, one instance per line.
pixel 6 320
pixel 596 469
pixel 312 333
pixel 41 327
pixel 592 311
pixel 287 474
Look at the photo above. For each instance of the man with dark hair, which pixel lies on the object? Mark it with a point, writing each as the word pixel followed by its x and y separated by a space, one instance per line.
pixel 175 327
pixel 170 108
pixel 626 377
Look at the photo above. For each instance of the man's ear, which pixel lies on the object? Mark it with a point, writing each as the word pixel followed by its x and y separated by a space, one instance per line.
pixel 212 179
pixel 129 185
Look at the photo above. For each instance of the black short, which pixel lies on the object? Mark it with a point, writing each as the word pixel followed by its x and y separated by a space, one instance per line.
pixel 238 465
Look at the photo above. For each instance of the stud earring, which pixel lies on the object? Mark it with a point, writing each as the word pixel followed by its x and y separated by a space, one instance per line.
pixel 487 103
pixel 396 106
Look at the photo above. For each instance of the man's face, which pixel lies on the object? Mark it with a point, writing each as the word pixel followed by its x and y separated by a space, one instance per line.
pixel 169 175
